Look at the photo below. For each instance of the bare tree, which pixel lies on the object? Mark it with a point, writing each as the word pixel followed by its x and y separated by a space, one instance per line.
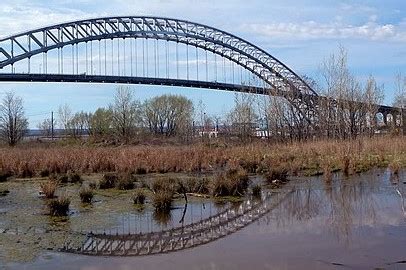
pixel 400 91
pixel 79 124
pixel 13 123
pixel 65 117
pixel 126 112
pixel 346 107
pixel 46 127
pixel 243 117
pixel 168 115
pixel 101 122
pixel 371 97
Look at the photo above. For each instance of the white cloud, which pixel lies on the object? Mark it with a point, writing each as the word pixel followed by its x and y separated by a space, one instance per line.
pixel 313 30
pixel 14 19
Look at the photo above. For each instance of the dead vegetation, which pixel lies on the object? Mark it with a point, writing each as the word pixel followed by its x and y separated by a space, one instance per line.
pixel 234 182
pixel 48 188
pixel 139 196
pixel 86 195
pixel 295 158
pixel 59 207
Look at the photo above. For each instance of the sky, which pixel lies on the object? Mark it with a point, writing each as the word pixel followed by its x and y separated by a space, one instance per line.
pixel 301 34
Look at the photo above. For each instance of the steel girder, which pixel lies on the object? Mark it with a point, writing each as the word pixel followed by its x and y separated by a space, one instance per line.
pixel 281 79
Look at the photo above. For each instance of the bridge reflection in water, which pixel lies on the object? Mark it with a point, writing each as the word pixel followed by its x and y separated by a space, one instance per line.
pixel 175 239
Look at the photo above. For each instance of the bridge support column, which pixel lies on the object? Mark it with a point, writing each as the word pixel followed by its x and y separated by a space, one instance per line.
pixel 385 118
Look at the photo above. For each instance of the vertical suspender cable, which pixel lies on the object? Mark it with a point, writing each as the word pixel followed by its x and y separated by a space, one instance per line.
pixel 86 61
pixel 118 57
pixel 73 59
pixel 215 66
pixel 112 57
pixel 155 59
pixel 187 61
pixel 29 58
pixel 147 56
pixel 99 58
pixel 167 59
pixel 77 59
pixel 91 57
pixel 224 68
pixel 124 60
pixel 136 57
pixel 207 68
pixel 197 64
pixel 157 55
pixel 143 57
pixel 177 60
pixel 61 60
pixel 233 65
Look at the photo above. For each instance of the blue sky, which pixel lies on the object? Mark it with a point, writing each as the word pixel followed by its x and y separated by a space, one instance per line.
pixel 299 33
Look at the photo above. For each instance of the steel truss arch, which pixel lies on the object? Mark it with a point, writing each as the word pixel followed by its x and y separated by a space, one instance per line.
pixel 281 79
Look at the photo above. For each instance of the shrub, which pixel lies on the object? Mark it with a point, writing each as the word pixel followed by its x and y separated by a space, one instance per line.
pixel 25 171
pixel 165 184
pixel 346 163
pixel 199 185
pixel 162 200
pixel 125 182
pixel 108 181
pixel 249 165
pixel 232 183
pixel 74 177
pixel 139 196
pixel 327 171
pixel 86 195
pixel 48 188
pixel 256 191
pixel 59 207
pixel 394 167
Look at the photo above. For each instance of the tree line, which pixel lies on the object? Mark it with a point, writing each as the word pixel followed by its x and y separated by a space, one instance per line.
pixel 346 108
pixel 126 117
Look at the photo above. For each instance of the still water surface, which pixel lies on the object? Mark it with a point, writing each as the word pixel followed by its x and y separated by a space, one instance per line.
pixel 352 223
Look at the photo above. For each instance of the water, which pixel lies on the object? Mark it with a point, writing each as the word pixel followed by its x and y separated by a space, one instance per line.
pixel 355 223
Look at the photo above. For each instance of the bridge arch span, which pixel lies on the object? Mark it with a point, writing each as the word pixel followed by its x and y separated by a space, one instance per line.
pixel 280 79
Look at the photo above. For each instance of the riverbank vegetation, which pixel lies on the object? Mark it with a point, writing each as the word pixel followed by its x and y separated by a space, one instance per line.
pixel 297 158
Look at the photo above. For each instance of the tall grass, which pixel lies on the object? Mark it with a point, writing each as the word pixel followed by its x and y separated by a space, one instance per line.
pixel 233 182
pixel 59 207
pixel 296 157
pixel 48 188
pixel 139 196
pixel 86 195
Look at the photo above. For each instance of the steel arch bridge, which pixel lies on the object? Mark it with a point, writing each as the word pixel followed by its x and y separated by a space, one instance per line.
pixel 276 77
pixel 121 63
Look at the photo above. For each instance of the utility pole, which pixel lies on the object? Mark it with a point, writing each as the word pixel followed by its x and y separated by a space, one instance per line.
pixel 52 125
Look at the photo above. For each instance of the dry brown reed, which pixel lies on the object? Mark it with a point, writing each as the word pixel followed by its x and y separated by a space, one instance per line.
pixel 59 207
pixel 48 188
pixel 297 157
